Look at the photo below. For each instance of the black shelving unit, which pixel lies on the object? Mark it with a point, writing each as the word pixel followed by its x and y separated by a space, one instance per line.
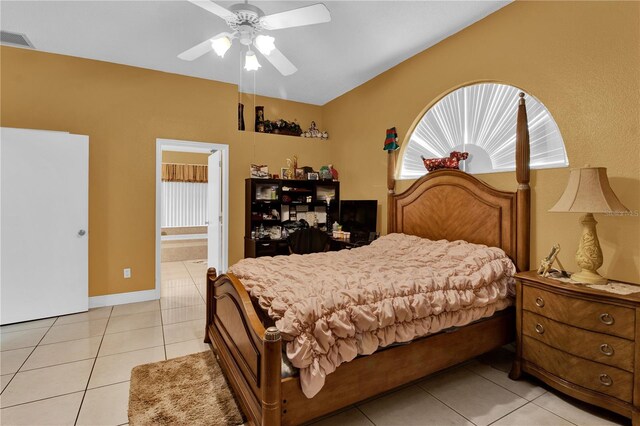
pixel 269 202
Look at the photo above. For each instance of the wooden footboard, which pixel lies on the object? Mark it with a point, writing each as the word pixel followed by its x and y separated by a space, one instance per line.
pixel 249 355
pixel 385 370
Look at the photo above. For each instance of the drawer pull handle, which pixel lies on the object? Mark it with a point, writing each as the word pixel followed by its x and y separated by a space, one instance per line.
pixel 606 318
pixel 606 380
pixel 539 328
pixel 606 349
pixel 539 302
pixel 265 244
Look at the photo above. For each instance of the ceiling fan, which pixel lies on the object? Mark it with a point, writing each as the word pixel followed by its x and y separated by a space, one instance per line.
pixel 246 23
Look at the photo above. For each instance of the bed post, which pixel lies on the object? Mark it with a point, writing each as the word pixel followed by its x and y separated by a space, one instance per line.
pixel 211 277
pixel 391 187
pixel 270 378
pixel 523 232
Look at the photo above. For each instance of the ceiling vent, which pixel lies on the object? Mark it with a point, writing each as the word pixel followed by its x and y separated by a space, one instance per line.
pixel 15 39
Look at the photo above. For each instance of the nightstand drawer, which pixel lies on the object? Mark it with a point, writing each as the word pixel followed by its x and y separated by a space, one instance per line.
pixel 599 347
pixel 591 375
pixel 596 316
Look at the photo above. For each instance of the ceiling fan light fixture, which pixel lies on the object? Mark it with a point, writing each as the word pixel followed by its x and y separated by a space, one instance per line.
pixel 265 44
pixel 251 62
pixel 221 45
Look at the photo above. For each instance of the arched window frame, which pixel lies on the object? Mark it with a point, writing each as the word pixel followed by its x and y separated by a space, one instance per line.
pixel 434 132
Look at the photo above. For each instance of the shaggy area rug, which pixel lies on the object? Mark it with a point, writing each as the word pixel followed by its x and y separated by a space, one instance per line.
pixel 190 390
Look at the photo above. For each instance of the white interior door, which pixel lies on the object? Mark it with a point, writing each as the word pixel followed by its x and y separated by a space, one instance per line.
pixel 44 179
pixel 214 211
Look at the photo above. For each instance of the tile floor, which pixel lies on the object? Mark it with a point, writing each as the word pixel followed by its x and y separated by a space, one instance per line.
pixel 75 369
pixel 479 393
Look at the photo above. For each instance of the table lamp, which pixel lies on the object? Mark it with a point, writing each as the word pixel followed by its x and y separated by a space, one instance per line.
pixel 588 191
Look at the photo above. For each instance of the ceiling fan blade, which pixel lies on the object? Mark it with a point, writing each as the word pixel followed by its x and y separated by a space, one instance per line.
pixel 196 51
pixel 280 62
pixel 200 49
pixel 214 8
pixel 308 15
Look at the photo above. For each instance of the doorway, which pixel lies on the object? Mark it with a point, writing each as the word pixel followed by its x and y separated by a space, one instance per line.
pixel 216 229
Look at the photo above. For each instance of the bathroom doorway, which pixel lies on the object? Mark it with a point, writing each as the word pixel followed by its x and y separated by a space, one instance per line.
pixel 191 209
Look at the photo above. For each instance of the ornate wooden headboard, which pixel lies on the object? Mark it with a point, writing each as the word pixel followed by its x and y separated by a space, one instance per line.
pixel 453 205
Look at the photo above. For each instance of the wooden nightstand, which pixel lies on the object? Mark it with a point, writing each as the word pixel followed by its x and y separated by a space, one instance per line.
pixel 580 341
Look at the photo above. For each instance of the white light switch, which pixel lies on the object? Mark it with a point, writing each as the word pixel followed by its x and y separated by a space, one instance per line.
pixel 127 272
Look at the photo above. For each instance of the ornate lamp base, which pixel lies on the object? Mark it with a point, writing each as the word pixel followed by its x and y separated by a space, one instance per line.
pixel 589 277
pixel 589 255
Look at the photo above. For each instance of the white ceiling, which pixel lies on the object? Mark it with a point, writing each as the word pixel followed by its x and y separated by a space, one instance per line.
pixel 363 39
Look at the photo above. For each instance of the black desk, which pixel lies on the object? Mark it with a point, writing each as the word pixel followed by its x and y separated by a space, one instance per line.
pixel 346 243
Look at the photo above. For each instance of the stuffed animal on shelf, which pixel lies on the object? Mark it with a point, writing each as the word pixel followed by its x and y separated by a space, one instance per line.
pixel 451 162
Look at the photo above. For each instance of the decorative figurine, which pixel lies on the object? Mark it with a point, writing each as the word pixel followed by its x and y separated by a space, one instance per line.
pixel 313 132
pixel 391 140
pixel 259 127
pixel 451 162
pixel 334 172
pixel 325 173
pixel 292 165
pixel 547 262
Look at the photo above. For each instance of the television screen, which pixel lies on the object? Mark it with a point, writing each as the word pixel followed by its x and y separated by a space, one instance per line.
pixel 359 217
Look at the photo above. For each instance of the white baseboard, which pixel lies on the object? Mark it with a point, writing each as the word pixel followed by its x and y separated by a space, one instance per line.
pixel 122 298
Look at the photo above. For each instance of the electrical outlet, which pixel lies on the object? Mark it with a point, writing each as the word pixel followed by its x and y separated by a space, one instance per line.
pixel 127 272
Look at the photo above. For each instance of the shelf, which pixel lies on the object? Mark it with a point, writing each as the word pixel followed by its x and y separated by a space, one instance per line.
pixel 259 135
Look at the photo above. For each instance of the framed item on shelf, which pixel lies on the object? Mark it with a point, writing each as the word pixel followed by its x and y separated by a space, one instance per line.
pixel 300 174
pixel 312 176
pixel 259 171
pixel 284 172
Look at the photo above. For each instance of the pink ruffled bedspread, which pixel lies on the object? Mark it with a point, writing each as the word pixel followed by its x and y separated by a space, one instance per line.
pixel 331 307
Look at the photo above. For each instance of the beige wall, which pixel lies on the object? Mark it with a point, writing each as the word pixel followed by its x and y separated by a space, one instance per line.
pixel 581 59
pixel 123 110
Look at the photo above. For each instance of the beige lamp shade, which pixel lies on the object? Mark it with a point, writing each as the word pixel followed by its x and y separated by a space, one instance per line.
pixel 588 191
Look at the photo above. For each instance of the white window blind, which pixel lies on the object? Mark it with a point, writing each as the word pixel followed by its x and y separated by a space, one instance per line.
pixel 481 120
pixel 184 204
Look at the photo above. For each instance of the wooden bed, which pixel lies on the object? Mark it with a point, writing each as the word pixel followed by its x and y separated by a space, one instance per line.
pixel 445 204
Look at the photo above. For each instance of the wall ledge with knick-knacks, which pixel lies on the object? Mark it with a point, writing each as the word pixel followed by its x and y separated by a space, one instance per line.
pixel 249 134
pixel 280 126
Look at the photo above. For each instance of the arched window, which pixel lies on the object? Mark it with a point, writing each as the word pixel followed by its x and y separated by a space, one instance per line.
pixel 481 120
